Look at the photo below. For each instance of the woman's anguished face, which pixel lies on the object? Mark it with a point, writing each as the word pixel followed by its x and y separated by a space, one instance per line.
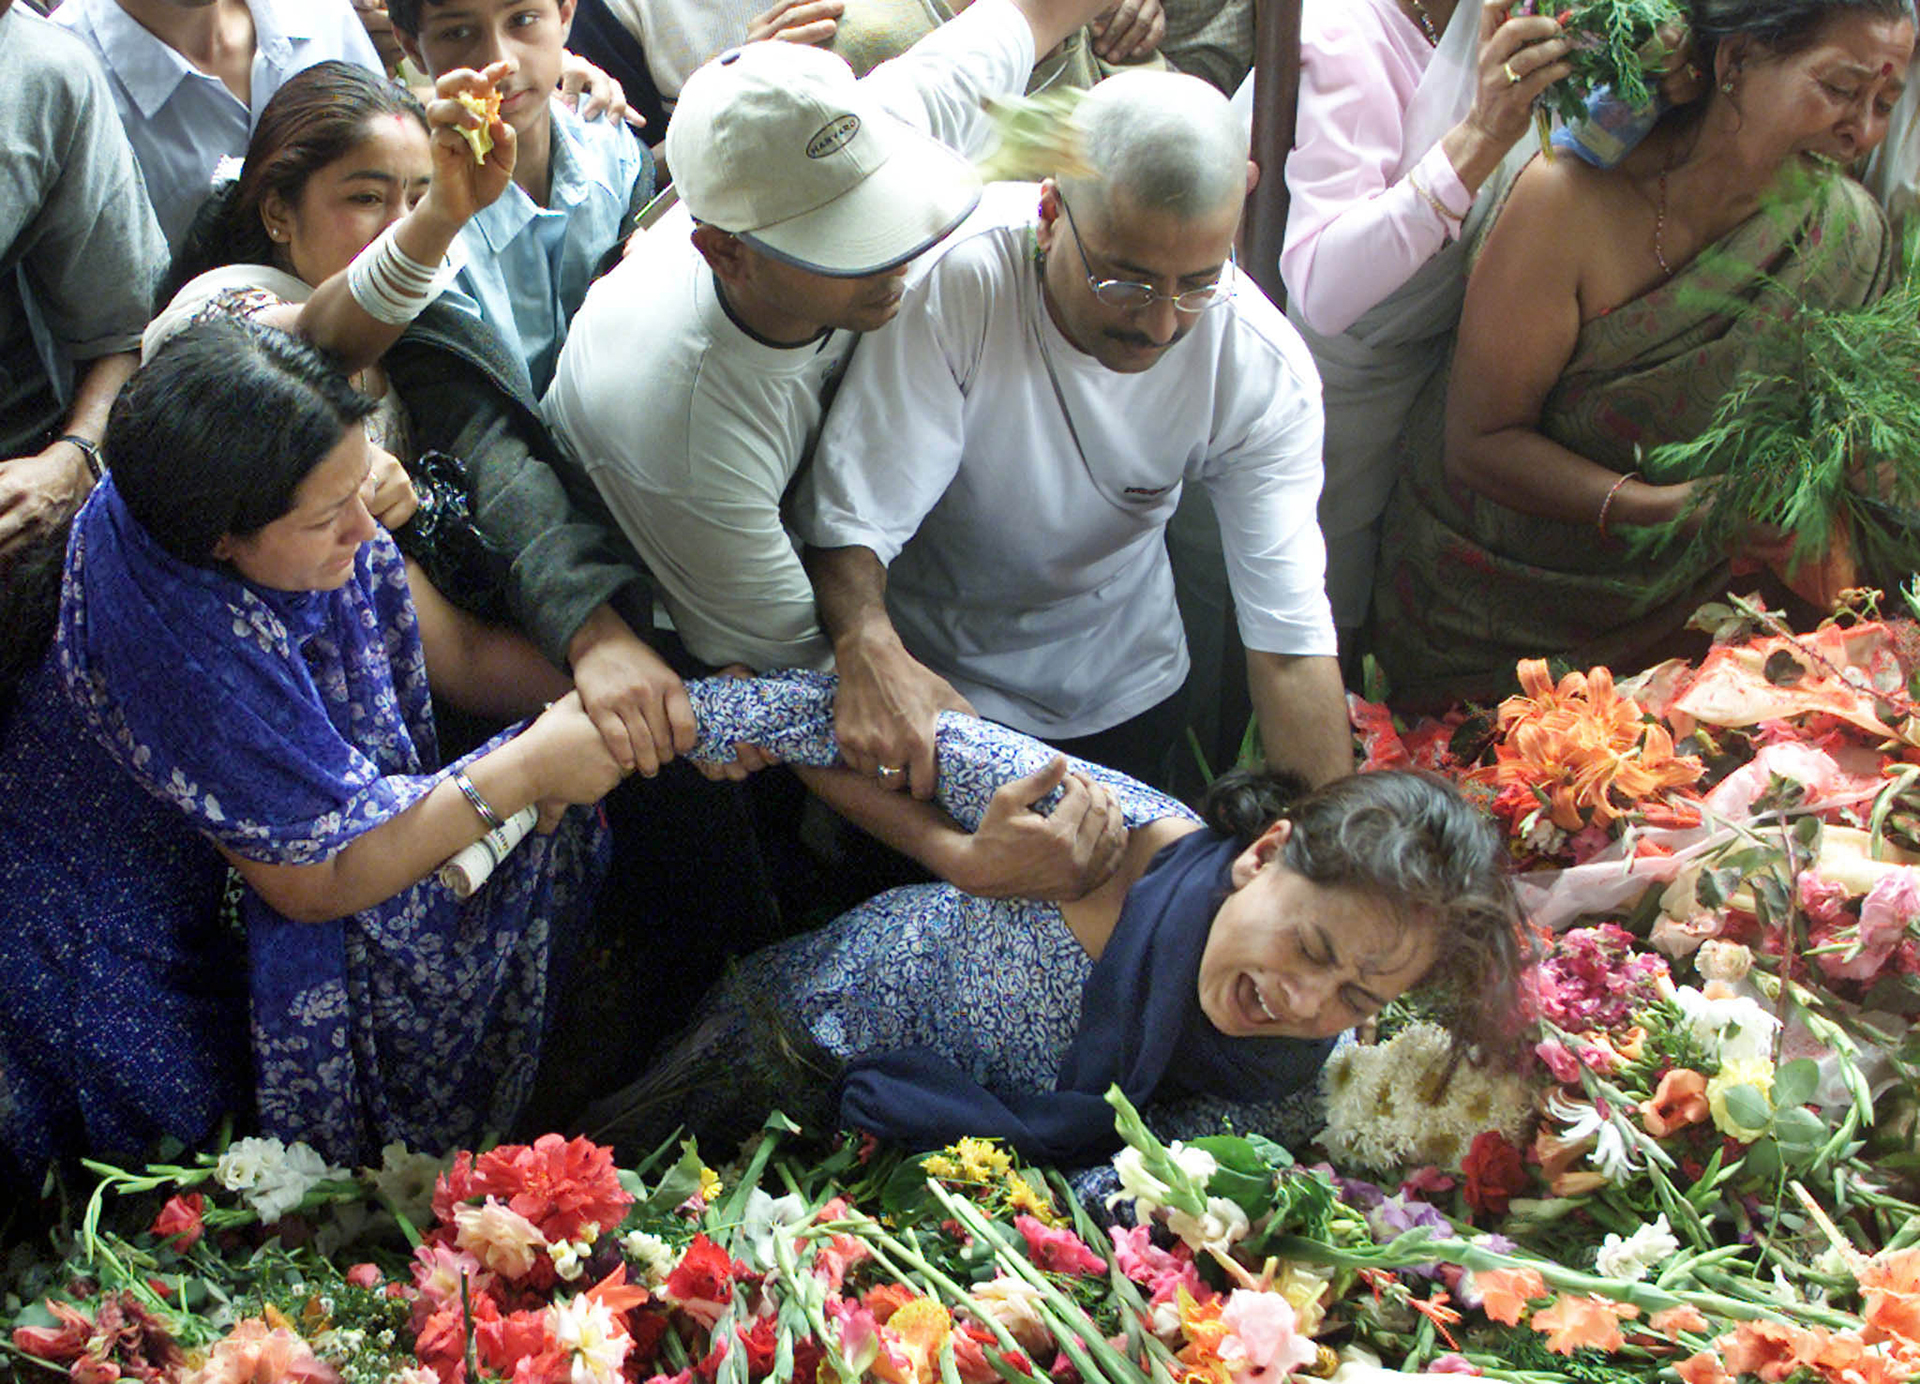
pixel 1831 98
pixel 348 202
pixel 312 546
pixel 1288 958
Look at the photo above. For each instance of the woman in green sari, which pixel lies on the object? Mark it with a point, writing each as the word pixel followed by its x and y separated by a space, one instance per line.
pixel 1598 325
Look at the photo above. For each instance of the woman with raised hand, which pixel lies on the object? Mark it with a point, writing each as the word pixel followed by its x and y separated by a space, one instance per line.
pixel 240 679
pixel 1407 108
pixel 343 166
pixel 1210 976
pixel 1610 311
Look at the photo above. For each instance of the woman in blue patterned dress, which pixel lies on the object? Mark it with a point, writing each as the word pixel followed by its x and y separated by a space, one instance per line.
pixel 240 675
pixel 1211 975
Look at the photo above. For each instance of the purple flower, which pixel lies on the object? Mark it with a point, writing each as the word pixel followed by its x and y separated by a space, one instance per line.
pixel 1399 1214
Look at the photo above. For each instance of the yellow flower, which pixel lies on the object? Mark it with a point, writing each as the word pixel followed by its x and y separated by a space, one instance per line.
pixel 981 1159
pixel 709 1185
pixel 1756 1072
pixel 1022 1195
pixel 941 1166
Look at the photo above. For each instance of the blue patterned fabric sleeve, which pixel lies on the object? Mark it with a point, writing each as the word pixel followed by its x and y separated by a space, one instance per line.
pixel 790 714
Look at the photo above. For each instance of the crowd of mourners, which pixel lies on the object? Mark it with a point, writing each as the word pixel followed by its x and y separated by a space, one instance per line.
pixel 506 498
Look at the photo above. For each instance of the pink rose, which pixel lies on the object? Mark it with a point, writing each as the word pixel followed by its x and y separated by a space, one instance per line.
pixel 1889 906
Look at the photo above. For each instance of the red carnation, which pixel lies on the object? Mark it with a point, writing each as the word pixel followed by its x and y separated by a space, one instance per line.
pixel 561 1185
pixel 180 1221
pixel 1495 1172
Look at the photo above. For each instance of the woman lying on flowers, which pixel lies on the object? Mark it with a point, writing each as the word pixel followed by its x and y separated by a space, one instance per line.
pixel 1221 962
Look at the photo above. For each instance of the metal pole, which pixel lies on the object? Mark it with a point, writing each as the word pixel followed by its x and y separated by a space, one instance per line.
pixel 1276 57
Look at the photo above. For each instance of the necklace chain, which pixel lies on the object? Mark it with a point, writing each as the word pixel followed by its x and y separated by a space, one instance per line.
pixel 1425 21
pixel 1660 227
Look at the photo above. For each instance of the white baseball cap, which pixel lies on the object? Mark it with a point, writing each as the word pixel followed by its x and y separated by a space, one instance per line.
pixel 780 145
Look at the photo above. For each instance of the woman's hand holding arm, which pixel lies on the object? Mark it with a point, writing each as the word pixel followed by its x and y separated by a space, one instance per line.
pixel 1014 853
pixel 557 761
pixel 461 186
pixel 1517 332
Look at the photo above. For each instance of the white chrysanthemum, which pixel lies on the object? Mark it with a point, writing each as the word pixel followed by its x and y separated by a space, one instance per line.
pixel 1639 1254
pixel 592 1338
pixel 246 1161
pixel 1387 1107
pixel 339 1344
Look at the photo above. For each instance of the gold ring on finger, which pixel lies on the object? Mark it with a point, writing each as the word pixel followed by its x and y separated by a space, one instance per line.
pixel 1512 76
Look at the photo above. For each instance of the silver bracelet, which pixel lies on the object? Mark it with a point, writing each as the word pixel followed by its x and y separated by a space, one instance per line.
pixel 389 284
pixel 493 819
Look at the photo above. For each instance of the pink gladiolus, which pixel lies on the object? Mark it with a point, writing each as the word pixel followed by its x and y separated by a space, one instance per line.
pixel 1451 1363
pixel 364 1275
pixel 859 1340
pixel 1263 1340
pixel 1057 1250
pixel 1161 1272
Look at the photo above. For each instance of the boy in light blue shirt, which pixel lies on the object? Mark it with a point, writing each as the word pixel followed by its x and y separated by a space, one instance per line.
pixel 525 262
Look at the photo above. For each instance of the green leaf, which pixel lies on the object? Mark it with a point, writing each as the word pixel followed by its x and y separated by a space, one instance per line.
pixel 681 1181
pixel 1763 1161
pixel 1242 1177
pixel 1747 1107
pixel 1799 1129
pixel 1794 1083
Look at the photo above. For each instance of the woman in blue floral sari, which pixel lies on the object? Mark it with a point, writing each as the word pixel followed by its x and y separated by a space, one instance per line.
pixel 240 679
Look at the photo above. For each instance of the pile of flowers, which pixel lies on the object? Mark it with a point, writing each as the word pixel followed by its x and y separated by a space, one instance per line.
pixel 1689 1181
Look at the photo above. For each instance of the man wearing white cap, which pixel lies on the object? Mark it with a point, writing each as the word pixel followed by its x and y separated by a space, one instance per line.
pixel 987 508
pixel 693 382
pixel 694 379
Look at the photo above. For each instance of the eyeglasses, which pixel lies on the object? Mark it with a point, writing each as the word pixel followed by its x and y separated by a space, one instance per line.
pixel 1124 293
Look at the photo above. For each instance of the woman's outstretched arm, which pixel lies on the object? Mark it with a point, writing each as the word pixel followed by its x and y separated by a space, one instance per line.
pixel 1010 822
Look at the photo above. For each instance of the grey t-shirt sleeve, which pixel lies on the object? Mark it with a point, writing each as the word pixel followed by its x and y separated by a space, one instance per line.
pixel 86 243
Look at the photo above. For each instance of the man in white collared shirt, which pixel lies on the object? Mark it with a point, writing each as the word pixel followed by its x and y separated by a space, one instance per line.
pixel 190 79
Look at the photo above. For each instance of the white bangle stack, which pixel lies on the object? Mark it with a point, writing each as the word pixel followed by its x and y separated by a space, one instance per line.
pixel 391 285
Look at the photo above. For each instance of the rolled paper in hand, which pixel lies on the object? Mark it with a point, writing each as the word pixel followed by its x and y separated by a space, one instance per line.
pixel 470 868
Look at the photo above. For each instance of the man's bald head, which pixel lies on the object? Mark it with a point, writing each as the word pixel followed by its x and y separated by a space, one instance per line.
pixel 1158 141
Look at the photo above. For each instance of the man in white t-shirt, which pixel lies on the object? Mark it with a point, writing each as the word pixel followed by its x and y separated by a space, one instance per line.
pixel 987 505
pixel 692 383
